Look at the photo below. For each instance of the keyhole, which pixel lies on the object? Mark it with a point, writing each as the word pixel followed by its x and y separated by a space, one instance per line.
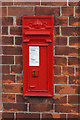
pixel 34 72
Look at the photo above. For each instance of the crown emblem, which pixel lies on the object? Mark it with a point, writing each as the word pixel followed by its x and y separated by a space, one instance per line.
pixel 37 24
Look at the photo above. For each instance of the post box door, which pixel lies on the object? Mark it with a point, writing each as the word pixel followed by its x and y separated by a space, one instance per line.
pixel 38 79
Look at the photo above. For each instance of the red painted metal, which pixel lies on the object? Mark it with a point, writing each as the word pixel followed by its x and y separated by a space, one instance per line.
pixel 38 34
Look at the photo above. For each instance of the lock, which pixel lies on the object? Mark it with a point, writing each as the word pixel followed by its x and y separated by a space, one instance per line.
pixel 34 72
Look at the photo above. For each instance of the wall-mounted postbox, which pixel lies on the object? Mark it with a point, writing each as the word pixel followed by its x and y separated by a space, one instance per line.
pixel 37 55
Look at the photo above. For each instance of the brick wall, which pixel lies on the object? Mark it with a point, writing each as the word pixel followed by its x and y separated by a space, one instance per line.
pixel 65 102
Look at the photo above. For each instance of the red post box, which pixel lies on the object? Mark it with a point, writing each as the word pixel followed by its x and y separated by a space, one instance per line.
pixel 37 55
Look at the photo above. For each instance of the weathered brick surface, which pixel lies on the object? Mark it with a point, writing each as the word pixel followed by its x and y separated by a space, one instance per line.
pixel 5 30
pixel 67 108
pixel 60 60
pixel 60 79
pixel 60 40
pixel 15 30
pixel 7 21
pixel 20 11
pixel 71 31
pixel 12 50
pixel 66 89
pixel 74 99
pixel 18 40
pixel 74 41
pixel 7 116
pixel 4 11
pixel 14 107
pixel 75 21
pixel 47 11
pixel 8 97
pixel 16 69
pixel 8 78
pixel 8 59
pixel 77 9
pixel 15 88
pixel 62 21
pixel 52 116
pixel 71 51
pixel 41 108
pixel 64 102
pixel 28 116
pixel 50 3
pixel 68 70
pixel 67 11
pixel 74 79
pixel 74 60
pixel 57 70
pixel 7 40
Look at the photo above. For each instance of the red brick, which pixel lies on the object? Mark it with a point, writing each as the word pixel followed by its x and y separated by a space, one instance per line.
pixel 54 3
pixel 77 11
pixel 77 70
pixel 73 3
pixel 67 11
pixel 60 40
pixel 18 60
pixel 68 70
pixel 41 108
pixel 74 61
pixel 28 116
pixel 8 97
pixel 14 107
pixel 56 31
pixel 47 11
pixel 15 88
pixel 51 116
pixel 5 69
pixel 4 30
pixel 15 30
pixel 20 11
pixel 7 3
pixel 7 116
pixel 74 80
pixel 70 31
pixel 7 21
pixel 67 108
pixel 74 40
pixel 72 51
pixel 30 2
pixel 8 78
pixel 62 21
pixel 73 116
pixel 60 61
pixel 66 89
pixel 16 69
pixel 57 70
pixel 60 80
pixel 4 11
pixel 7 40
pixel 19 78
pixel 75 21
pixel 18 40
pixel 7 59
pixel 74 99
pixel 18 21
pixel 20 99
pixel 12 50
pixel 59 99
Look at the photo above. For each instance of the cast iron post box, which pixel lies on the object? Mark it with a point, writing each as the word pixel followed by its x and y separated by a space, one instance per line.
pixel 37 55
